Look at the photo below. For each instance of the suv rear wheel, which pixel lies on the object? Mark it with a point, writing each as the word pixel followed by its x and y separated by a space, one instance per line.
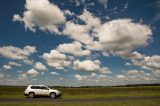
pixel 31 95
pixel 52 95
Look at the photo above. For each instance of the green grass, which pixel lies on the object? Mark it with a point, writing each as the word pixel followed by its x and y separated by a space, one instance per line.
pixel 117 103
pixel 93 92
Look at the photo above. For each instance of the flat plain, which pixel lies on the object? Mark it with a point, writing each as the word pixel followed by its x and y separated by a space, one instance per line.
pixel 86 96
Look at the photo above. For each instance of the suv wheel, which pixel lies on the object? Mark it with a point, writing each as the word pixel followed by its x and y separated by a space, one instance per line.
pixel 31 95
pixel 52 95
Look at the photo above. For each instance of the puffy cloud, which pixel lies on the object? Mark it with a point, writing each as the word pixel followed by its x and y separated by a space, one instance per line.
pixel 40 66
pixel 96 46
pixel 132 72
pixel 44 18
pixel 156 73
pixel 16 53
pixel 74 48
pixel 86 65
pixel 78 32
pixel 80 78
pixel 105 70
pixel 90 65
pixel 91 78
pixel 54 73
pixel 123 35
pixel 22 76
pixel 127 54
pixel 11 63
pixel 1 75
pixel 89 19
pixel 82 33
pixel 120 76
pixel 32 72
pixel 7 67
pixel 148 63
pixel 16 17
pixel 56 59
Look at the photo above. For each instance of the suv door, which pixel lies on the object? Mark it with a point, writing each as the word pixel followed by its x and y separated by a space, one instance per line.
pixel 44 90
pixel 36 90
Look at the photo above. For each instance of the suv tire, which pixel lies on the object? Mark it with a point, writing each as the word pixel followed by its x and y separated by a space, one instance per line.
pixel 31 95
pixel 52 95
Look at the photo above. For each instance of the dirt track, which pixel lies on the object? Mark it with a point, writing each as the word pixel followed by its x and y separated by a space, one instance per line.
pixel 34 100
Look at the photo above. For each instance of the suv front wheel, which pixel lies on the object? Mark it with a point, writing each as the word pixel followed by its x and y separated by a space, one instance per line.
pixel 52 95
pixel 31 95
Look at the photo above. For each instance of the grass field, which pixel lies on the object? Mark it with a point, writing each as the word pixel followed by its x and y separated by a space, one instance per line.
pixel 93 92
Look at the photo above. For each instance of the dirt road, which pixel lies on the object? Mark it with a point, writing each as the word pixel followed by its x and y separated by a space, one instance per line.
pixel 34 100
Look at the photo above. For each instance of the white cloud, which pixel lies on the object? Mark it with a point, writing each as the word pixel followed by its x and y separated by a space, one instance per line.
pixel 132 72
pixel 16 17
pixel 93 77
pixel 123 35
pixel 22 76
pixel 148 63
pixel 80 78
pixel 89 19
pixel 105 70
pixel 54 73
pixel 157 73
pixel 82 33
pixel 7 67
pixel 41 14
pixel 32 72
pixel 56 59
pixel 86 65
pixel 12 63
pixel 74 48
pixel 120 76
pixel 40 66
pixel 78 32
pixel 16 53
pixel 1 75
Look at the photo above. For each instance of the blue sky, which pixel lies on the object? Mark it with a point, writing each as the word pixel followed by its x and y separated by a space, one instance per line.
pixel 79 42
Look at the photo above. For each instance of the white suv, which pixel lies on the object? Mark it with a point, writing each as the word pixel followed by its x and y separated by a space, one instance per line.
pixel 41 90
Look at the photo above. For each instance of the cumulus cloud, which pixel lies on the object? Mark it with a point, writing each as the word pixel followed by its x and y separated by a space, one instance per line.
pixel 78 32
pixel 56 59
pixel 157 73
pixel 54 73
pixel 7 67
pixel 44 18
pixel 105 70
pixel 80 78
pixel 86 65
pixel 90 78
pixel 16 53
pixel 89 19
pixel 74 48
pixel 148 63
pixel 120 76
pixel 32 72
pixel 82 33
pixel 22 76
pixel 40 66
pixel 1 75
pixel 11 63
pixel 123 35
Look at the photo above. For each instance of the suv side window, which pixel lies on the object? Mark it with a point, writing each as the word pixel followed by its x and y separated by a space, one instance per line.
pixel 35 87
pixel 43 87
